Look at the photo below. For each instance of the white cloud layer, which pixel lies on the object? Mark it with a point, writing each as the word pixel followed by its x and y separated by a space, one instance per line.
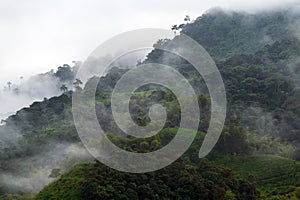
pixel 40 35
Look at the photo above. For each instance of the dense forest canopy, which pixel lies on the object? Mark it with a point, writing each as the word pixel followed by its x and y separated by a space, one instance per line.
pixel 258 58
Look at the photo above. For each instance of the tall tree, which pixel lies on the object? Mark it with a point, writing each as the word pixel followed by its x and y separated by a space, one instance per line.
pixel 64 88
pixel 187 18
pixel 174 28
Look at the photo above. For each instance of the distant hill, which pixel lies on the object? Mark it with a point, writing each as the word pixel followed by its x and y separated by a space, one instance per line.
pixel 15 96
pixel 226 33
pixel 258 58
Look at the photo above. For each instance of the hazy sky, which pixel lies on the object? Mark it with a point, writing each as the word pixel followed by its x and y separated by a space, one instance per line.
pixel 37 36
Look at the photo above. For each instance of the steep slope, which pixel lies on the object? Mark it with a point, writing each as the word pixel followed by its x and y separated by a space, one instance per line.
pixel 226 33
pixel 273 175
pixel 258 58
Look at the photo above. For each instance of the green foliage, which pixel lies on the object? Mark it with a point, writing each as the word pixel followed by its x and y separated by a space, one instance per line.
pixel 65 73
pixel 273 175
pixel 40 124
pixel 224 34
pixel 177 181
pixel 229 195
pixel 234 140
pixel 259 77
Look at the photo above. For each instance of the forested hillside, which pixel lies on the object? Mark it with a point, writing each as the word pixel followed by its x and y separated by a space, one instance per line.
pixel 257 155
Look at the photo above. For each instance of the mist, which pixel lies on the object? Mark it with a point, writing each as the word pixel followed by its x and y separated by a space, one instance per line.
pixel 13 97
pixel 36 36
pixel 31 174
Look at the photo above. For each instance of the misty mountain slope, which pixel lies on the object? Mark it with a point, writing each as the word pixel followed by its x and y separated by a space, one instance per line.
pixel 224 33
pixel 262 85
pixel 51 120
pixel 272 175
pixel 265 84
pixel 42 113
pixel 268 77
pixel 47 116
pixel 15 96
